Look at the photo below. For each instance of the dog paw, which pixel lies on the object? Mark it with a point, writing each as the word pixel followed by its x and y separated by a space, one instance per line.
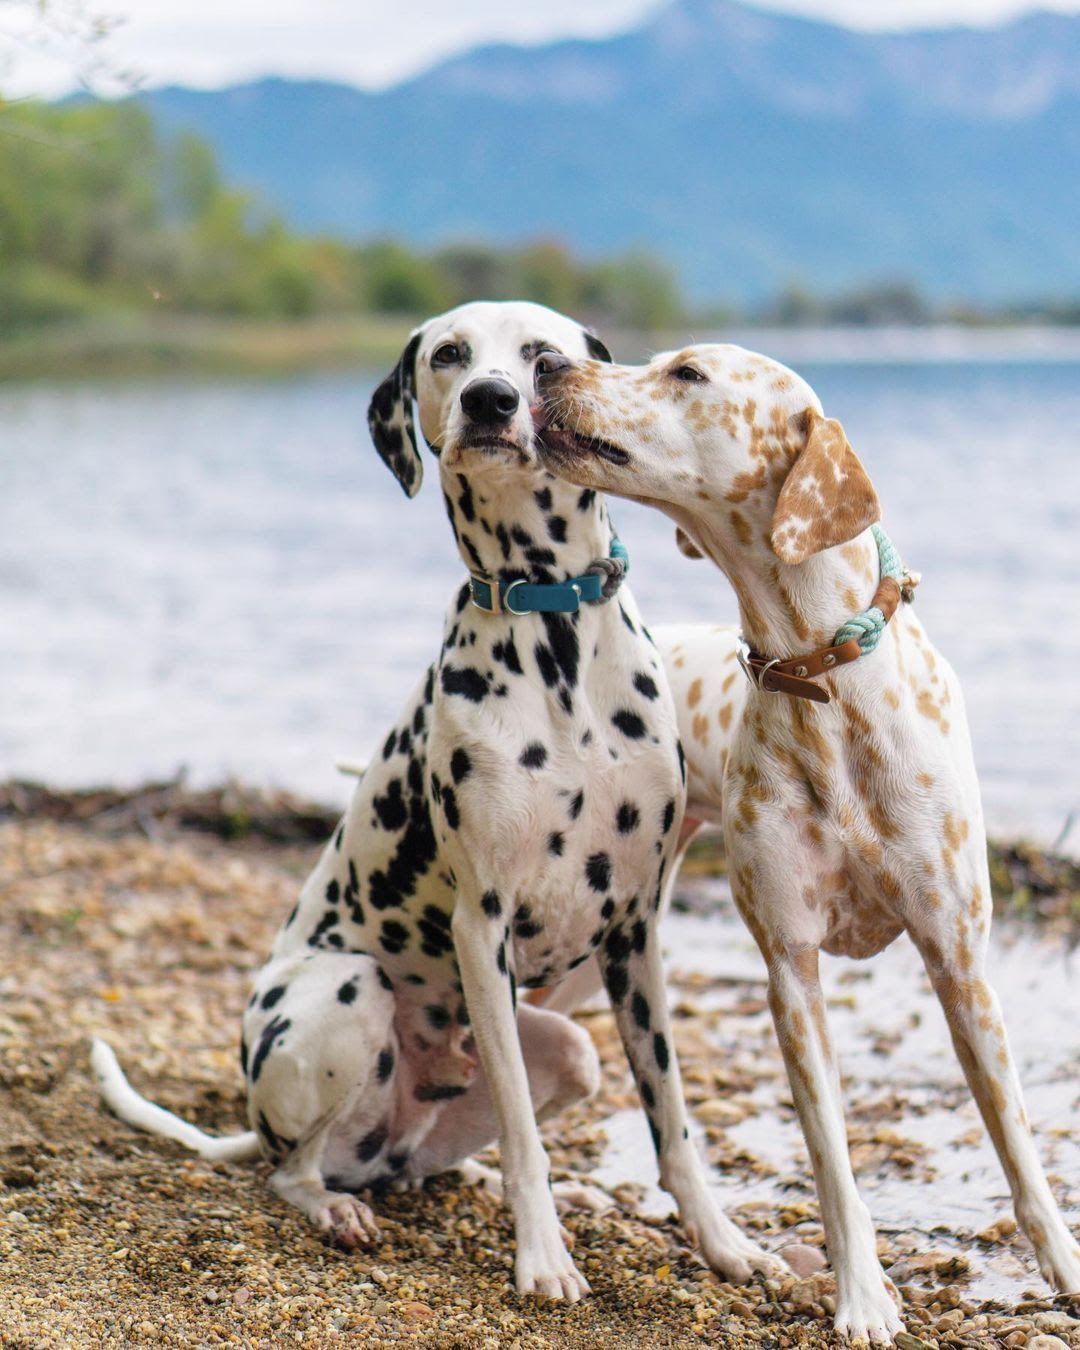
pixel 1060 1267
pixel 348 1222
pixel 732 1255
pixel 869 1315
pixel 577 1195
pixel 547 1269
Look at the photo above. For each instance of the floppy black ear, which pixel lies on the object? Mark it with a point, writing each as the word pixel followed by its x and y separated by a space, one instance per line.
pixel 390 420
pixel 596 348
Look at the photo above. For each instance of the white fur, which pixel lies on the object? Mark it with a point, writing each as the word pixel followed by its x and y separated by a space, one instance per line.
pixel 844 824
pixel 523 814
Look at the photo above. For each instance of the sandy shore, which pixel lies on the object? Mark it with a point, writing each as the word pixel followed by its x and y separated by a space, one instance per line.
pixel 112 1238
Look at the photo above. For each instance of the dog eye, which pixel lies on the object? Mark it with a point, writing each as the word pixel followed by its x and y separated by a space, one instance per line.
pixel 689 374
pixel 449 354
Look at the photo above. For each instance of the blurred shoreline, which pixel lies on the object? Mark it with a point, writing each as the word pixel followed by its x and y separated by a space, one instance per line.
pixel 1029 883
pixel 146 345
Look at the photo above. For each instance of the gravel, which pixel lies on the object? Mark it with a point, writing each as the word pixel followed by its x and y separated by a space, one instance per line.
pixel 111 1238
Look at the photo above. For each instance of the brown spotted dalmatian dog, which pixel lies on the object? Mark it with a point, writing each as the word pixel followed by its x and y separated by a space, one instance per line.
pixel 520 818
pixel 848 819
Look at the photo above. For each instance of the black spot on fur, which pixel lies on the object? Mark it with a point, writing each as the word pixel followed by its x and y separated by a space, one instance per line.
pixel 467 682
pixel 645 685
pixel 333 891
pixel 384 1065
pixel 506 652
pixel 371 1145
pixel 629 723
pixel 438 1016
pixel 450 807
pixel 585 501
pixel 598 871
pixel 460 765
pixel 465 501
pixel 329 920
pixel 639 1006
pixel 394 937
pixel 384 979
pixel 669 815
pixel 648 1096
pixel 617 981
pixel 435 931
pixel 347 992
pixel 438 1092
pixel 563 643
pixel 391 809
pixel 557 528
pixel 272 997
pixel 490 902
pixel 576 803
pixel 271 1033
pixel 525 926
pixel 534 756
pixel 660 1050
pixel 555 844
pixel 627 818
pixel 545 662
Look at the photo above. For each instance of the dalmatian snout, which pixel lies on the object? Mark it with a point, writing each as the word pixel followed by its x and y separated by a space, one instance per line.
pixel 490 401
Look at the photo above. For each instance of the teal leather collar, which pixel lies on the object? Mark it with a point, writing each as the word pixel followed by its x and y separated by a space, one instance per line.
pixel 553 597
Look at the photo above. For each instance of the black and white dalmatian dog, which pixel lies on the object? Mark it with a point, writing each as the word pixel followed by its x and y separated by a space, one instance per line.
pixel 520 818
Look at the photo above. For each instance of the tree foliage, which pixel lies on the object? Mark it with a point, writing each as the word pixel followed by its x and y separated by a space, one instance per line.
pixel 100 214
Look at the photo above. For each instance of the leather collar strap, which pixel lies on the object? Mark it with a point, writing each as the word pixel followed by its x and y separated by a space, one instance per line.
pixel 796 674
pixel 553 597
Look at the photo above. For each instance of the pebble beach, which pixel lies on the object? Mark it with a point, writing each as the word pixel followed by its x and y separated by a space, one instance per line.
pixel 133 925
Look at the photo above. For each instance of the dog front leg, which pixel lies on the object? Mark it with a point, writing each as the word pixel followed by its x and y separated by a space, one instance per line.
pixel 542 1264
pixel 634 974
pixel 865 1301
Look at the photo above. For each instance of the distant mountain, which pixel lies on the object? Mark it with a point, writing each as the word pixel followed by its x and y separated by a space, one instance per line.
pixel 749 149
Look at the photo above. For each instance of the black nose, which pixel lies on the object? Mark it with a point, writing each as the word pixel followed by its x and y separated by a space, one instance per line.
pixel 490 401
pixel 551 363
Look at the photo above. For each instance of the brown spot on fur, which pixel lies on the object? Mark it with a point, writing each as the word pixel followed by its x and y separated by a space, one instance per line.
pixel 693 694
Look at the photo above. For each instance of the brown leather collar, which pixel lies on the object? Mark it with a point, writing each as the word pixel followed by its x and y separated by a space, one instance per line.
pixel 796 674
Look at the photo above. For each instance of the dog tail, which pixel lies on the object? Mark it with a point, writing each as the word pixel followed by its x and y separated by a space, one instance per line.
pixel 122 1099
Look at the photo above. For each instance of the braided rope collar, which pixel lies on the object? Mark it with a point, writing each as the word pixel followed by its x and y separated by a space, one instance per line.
pixel 857 637
pixel 599 582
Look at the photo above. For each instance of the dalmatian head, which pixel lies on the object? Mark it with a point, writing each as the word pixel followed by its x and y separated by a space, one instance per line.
pixel 713 435
pixel 472 374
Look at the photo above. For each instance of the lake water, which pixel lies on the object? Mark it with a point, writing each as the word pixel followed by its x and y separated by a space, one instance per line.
pixel 220 574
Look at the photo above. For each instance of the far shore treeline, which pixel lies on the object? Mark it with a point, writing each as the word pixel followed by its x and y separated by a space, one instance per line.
pixel 103 220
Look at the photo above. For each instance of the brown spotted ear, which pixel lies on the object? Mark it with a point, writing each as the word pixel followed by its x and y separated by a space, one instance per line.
pixel 827 497
pixel 686 545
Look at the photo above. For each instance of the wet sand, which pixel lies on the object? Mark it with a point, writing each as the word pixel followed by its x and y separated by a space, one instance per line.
pixel 109 1237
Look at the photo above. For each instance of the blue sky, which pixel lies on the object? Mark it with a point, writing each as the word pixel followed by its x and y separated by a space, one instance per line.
pixel 374 42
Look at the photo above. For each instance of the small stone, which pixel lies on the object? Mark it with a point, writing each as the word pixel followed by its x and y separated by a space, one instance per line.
pixel 803 1260
pixel 1056 1321
pixel 1044 1342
